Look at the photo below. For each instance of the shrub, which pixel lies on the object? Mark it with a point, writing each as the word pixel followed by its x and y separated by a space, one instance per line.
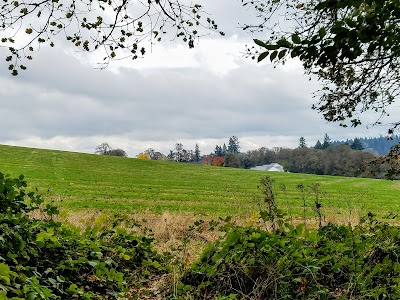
pixel 144 156
pixel 44 259
pixel 116 152
pixel 218 161
pixel 332 262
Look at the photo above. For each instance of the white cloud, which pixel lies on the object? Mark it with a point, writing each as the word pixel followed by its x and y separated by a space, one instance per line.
pixel 219 56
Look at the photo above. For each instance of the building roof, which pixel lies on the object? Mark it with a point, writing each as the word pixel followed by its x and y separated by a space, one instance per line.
pixel 274 167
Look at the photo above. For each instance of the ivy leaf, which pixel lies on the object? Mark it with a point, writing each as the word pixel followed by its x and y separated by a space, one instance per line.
pixel 5 273
pixel 93 263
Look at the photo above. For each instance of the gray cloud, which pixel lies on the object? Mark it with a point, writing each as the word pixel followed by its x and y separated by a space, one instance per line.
pixel 76 100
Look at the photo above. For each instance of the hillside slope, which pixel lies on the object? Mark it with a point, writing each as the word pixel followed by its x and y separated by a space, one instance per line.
pixel 132 185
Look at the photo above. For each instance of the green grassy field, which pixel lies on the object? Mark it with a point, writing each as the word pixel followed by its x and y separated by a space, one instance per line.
pixel 88 181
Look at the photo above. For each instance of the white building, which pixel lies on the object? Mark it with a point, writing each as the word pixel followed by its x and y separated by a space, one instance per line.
pixel 274 167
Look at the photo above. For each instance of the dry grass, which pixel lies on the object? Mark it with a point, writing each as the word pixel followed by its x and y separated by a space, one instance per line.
pixel 172 232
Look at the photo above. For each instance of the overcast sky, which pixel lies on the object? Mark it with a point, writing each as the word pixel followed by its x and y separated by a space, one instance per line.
pixel 176 94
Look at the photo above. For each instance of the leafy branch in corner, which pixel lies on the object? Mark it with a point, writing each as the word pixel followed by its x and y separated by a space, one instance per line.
pixel 119 29
pixel 352 47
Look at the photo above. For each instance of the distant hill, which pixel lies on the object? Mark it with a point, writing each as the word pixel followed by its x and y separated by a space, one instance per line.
pixel 379 145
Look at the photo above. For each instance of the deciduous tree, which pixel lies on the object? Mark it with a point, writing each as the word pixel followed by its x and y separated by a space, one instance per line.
pixel 102 149
pixel 351 46
pixel 116 28
pixel 181 154
pixel 105 149
pixel 117 152
pixel 232 160
pixel 154 155
pixel 217 161
pixel 144 156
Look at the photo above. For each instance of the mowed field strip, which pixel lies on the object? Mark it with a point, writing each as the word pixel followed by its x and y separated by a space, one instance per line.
pixel 89 181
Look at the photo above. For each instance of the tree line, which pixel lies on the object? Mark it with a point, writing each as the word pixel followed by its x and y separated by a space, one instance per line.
pixel 325 158
pixel 379 145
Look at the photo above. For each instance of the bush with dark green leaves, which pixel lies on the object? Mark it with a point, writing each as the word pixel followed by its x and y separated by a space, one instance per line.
pixel 45 259
pixel 332 262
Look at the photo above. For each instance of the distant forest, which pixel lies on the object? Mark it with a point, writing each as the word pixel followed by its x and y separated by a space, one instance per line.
pixel 378 145
pixel 358 157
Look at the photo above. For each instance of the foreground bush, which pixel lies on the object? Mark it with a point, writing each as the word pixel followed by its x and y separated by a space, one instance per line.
pixel 333 262
pixel 45 259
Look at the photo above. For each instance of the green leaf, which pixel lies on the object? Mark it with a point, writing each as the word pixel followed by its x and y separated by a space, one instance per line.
pixel 322 32
pixel 322 5
pixel 296 39
pixel 126 257
pixel 273 55
pixel 93 263
pixel 282 54
pixel 284 43
pixel 31 295
pixel 266 46
pixel 262 56
pixel 5 273
pixel 272 47
pixel 260 43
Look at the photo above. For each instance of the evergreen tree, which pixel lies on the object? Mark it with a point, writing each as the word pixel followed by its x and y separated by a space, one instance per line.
pixel 245 162
pixel 327 141
pixel 218 151
pixel 318 145
pixel 302 142
pixel 233 145
pixel 197 153
pixel 224 150
pixel 357 145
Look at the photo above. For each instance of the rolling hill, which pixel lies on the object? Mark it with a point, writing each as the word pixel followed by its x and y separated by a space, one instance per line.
pixel 88 181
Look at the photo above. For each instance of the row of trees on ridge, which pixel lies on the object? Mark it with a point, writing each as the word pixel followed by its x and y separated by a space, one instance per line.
pixel 327 158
